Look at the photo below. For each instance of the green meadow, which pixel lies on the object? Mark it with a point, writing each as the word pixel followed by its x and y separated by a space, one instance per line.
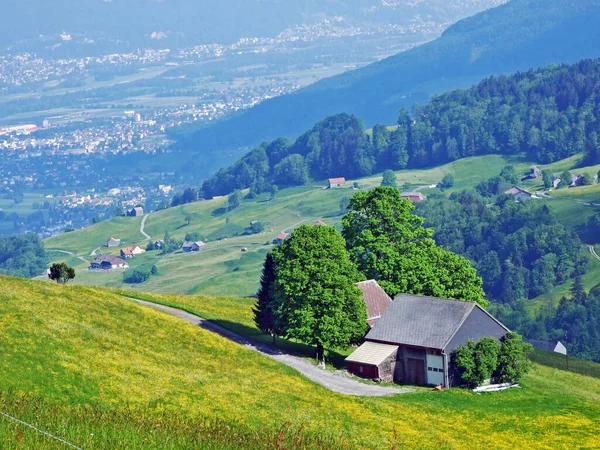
pixel 104 372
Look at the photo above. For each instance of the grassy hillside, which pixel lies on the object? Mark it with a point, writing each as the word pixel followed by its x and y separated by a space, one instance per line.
pixel 210 271
pixel 105 373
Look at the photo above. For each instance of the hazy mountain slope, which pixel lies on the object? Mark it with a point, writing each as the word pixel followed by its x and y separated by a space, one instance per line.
pixel 516 36
pixel 190 22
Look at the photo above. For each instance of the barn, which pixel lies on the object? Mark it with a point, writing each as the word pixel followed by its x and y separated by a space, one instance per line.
pixel 412 341
pixel 376 300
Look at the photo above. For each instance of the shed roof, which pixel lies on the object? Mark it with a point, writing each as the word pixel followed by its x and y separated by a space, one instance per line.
pixel 545 345
pixel 372 353
pixel 115 260
pixel 337 180
pixel 375 298
pixel 428 322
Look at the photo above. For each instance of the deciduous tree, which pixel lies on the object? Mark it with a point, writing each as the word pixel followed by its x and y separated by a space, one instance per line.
pixel 61 273
pixel 389 243
pixel 318 302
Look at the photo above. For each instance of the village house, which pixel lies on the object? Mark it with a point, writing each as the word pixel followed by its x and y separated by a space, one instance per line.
pixel 535 172
pixel 553 346
pixel 159 244
pixel 280 238
pixel 138 211
pixel 193 246
pixel 336 182
pixel 555 182
pixel 376 300
pixel 131 251
pixel 519 194
pixel 108 262
pixel 112 242
pixel 576 180
pixel 412 341
pixel 413 196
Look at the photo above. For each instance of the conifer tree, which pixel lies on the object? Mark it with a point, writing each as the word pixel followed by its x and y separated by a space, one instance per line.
pixel 264 307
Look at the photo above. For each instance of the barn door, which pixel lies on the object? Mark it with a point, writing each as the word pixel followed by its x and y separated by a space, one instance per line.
pixel 415 371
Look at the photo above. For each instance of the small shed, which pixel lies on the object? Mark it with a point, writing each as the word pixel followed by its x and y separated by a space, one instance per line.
pixel 336 182
pixel 193 246
pixel 138 211
pixel 553 346
pixel 280 238
pixel 425 331
pixel 112 242
pixel 413 196
pixel 555 182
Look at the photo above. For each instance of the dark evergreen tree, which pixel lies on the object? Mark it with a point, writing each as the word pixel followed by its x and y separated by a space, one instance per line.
pixel 263 310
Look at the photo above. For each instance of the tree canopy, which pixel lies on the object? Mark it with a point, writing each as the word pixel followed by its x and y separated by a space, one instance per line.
pixel 317 300
pixel 61 273
pixel 22 255
pixel 389 243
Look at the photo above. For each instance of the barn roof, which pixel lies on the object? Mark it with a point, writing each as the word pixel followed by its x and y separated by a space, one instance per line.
pixel 544 345
pixel 372 353
pixel 337 180
pixel 428 322
pixel 375 298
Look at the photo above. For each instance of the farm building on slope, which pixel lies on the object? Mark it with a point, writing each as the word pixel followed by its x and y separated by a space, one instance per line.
pixel 412 341
pixel 108 262
pixel 375 298
pixel 193 246
pixel 336 182
pixel 112 242
pixel 131 251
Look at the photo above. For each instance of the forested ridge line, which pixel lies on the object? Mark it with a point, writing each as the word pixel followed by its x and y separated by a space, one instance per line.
pixel 548 114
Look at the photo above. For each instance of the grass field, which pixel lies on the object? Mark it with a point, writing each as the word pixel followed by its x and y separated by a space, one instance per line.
pixel 105 373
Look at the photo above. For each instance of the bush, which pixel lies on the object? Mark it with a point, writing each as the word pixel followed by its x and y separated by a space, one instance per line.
pixel 193 236
pixel 504 361
pixel 139 275
pixel 447 182
pixel 513 361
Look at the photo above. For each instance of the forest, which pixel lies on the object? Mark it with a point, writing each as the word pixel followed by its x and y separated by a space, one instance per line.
pixel 547 114
pixel 519 249
pixel 22 256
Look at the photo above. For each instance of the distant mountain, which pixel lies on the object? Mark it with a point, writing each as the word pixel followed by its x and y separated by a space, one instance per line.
pixel 168 23
pixel 516 36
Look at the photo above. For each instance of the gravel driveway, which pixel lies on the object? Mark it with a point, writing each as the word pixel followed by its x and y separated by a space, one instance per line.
pixel 336 382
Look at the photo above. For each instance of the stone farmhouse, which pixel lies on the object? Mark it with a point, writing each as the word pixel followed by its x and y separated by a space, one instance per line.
pixel 412 341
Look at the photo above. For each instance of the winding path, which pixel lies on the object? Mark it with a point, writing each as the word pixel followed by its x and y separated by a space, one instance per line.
pixel 142 225
pixel 593 252
pixel 333 381
pixel 69 253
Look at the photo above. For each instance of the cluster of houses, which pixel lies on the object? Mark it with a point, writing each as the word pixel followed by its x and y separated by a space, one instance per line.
pixel 112 262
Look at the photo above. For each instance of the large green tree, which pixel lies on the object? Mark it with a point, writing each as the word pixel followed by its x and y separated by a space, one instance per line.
pixel 318 302
pixel 389 243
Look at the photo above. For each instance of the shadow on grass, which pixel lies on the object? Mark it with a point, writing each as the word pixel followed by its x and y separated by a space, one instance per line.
pixel 219 212
pixel 282 345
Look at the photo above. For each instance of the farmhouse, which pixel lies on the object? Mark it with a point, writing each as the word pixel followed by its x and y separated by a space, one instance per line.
pixel 138 211
pixel 519 194
pixel 336 182
pixel 280 238
pixel 112 242
pixel 535 172
pixel 193 246
pixel 108 262
pixel 412 341
pixel 555 182
pixel 413 196
pixel 553 346
pixel 375 298
pixel 131 251
pixel 576 180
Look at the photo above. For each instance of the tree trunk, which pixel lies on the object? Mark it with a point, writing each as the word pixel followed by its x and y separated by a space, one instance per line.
pixel 274 339
pixel 321 355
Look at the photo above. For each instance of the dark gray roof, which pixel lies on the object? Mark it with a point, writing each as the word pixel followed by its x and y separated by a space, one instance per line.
pixel 421 321
pixel 545 345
